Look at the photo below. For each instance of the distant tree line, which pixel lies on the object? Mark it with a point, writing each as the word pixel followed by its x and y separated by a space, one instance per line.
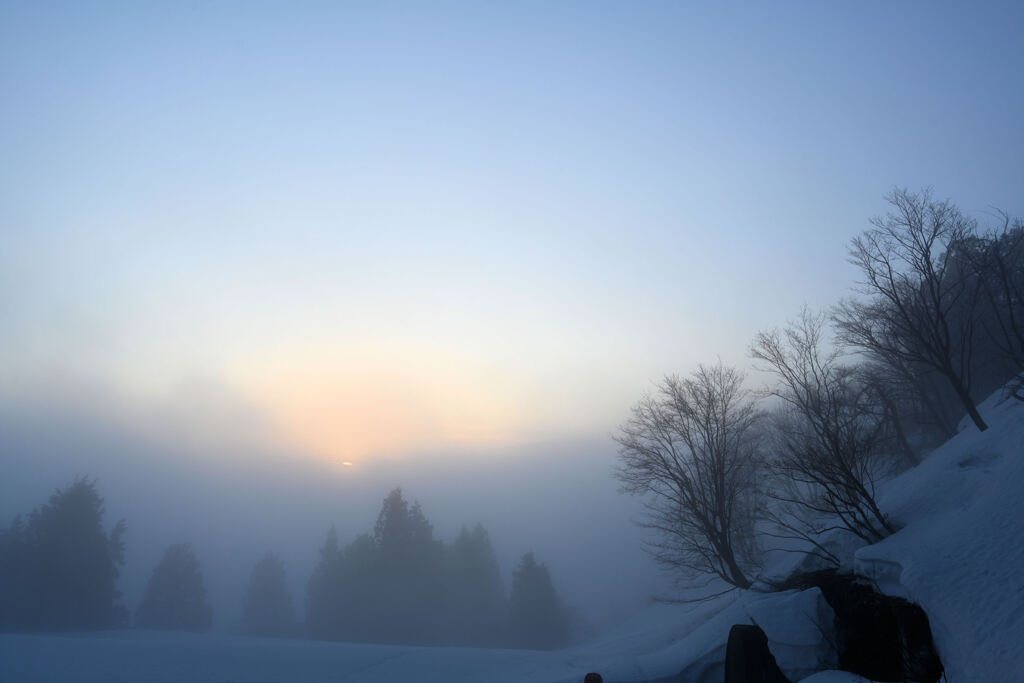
pixel 399 584
pixel 59 571
pixel 859 393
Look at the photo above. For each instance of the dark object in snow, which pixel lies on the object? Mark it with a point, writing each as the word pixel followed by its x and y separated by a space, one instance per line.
pixel 748 659
pixel 879 637
pixel 593 678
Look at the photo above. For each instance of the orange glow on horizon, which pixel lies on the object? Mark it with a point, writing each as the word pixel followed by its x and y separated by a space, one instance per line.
pixel 347 404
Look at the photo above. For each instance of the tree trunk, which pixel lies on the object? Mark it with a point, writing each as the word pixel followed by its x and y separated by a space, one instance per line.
pixel 739 579
pixel 968 402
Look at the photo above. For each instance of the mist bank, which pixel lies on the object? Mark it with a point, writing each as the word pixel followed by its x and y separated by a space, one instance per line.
pixel 218 481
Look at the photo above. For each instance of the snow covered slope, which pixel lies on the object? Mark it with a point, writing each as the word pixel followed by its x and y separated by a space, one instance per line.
pixel 960 553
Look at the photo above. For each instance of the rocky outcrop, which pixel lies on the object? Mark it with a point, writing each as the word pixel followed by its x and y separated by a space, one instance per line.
pixel 748 659
pixel 880 637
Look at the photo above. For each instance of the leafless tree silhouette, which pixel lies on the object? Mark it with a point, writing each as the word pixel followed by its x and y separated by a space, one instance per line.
pixel 689 451
pixel 827 439
pixel 920 302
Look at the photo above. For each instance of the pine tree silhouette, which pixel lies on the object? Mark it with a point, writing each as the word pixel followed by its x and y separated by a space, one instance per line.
pixel 537 619
pixel 175 597
pixel 59 570
pixel 267 607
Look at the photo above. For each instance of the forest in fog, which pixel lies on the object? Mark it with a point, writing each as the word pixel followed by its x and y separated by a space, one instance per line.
pixel 517 341
pixel 395 584
pixel 726 471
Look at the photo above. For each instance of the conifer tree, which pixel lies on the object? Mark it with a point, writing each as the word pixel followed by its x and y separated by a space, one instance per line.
pixel 59 570
pixel 475 605
pixel 267 607
pixel 322 604
pixel 407 585
pixel 175 597
pixel 537 619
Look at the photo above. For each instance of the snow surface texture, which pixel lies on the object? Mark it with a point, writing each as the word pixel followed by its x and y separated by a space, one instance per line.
pixel 659 643
pixel 959 554
pixel 835 677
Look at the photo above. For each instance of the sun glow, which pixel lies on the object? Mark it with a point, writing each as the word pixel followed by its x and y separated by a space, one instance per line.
pixel 346 403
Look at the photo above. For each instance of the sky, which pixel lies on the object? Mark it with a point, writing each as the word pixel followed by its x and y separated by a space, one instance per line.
pixel 389 234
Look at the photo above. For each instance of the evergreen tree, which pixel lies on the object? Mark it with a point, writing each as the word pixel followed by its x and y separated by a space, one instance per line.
pixel 175 597
pixel 358 588
pixel 322 592
pixel 267 607
pixel 407 583
pixel 537 619
pixel 475 605
pixel 15 587
pixel 401 531
pixel 399 584
pixel 59 571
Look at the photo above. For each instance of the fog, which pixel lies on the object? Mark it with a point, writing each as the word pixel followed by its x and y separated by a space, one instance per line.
pixel 263 264
pixel 204 468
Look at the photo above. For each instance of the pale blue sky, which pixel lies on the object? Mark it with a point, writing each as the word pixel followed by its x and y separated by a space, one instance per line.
pixel 532 209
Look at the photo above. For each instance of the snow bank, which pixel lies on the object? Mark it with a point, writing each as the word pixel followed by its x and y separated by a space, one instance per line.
pixel 960 553
pixel 801 631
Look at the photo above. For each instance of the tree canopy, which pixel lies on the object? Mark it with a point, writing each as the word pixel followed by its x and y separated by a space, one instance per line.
pixel 175 597
pixel 537 619
pixel 267 606
pixel 401 585
pixel 688 451
pixel 59 570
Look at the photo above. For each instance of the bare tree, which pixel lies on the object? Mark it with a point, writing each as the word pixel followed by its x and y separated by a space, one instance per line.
pixel 828 436
pixel 894 404
pixel 923 396
pixel 921 305
pixel 689 451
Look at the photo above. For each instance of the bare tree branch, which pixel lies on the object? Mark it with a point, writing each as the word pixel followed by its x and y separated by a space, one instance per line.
pixel 827 438
pixel 688 452
pixel 920 306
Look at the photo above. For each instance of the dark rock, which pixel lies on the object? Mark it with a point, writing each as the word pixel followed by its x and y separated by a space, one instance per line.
pixel 748 659
pixel 880 637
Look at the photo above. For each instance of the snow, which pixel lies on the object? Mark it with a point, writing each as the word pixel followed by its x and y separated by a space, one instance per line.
pixel 663 641
pixel 155 656
pixel 959 554
pixel 669 639
pixel 800 631
pixel 835 677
